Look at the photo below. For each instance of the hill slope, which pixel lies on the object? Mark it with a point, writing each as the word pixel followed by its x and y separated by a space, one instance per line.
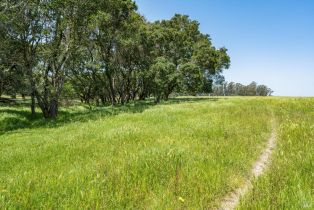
pixel 185 153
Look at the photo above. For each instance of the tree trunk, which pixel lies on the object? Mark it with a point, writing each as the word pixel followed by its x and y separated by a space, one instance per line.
pixel 44 110
pixel 48 108
pixel 1 88
pixel 166 96
pixel 103 100
pixel 128 97
pixel 111 87
pixel 157 99
pixel 53 109
pixel 142 96
pixel 33 105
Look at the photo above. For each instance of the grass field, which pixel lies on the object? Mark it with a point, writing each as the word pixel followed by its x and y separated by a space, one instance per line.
pixel 289 182
pixel 187 153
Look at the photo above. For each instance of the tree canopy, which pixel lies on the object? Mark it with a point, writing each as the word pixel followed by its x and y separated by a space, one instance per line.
pixel 102 52
pixel 238 89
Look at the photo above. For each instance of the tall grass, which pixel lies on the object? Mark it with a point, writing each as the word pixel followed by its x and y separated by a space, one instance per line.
pixel 289 182
pixel 184 154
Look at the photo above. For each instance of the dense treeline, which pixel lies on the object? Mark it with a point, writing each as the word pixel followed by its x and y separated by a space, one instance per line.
pixel 101 51
pixel 237 89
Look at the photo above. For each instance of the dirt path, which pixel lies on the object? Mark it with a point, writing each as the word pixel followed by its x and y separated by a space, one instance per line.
pixel 232 200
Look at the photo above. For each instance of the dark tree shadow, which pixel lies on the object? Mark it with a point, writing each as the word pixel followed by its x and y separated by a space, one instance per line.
pixel 19 117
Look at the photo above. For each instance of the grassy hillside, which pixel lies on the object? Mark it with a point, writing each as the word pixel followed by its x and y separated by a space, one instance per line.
pixel 186 153
pixel 289 182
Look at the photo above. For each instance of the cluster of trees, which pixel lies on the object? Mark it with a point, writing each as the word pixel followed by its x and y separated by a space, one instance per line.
pixel 237 89
pixel 102 51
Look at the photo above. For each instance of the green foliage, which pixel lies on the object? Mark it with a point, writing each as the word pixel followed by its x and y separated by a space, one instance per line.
pixel 191 78
pixel 222 88
pixel 164 74
pixel 106 50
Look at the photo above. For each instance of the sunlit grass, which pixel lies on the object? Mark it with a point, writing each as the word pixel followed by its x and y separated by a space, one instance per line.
pixel 182 154
pixel 289 182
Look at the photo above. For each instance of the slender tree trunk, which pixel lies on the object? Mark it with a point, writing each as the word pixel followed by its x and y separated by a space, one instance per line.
pixel 97 101
pixel 166 95
pixel 111 87
pixel 33 105
pixel 128 97
pixel 122 98
pixel 102 99
pixel 33 93
pixel 157 99
pixel 1 88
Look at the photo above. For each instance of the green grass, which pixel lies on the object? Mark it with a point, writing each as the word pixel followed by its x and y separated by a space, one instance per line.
pixel 186 153
pixel 289 182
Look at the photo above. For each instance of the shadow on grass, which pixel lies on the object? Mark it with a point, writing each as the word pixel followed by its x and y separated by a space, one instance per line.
pixel 19 117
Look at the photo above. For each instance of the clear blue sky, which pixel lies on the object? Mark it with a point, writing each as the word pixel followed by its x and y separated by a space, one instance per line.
pixel 269 41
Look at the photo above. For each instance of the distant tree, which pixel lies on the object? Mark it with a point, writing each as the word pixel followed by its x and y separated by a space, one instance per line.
pixel 263 90
pixel 237 89
pixel 251 89
pixel 231 89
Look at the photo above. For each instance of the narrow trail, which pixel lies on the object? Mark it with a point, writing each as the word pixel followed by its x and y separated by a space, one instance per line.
pixel 232 200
